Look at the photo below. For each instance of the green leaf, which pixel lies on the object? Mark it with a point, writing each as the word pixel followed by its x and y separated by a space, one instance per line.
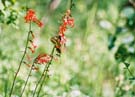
pixel 2 16
pixel 133 78
pixel 122 53
pixel 118 30
pixel 111 41
pixel 126 64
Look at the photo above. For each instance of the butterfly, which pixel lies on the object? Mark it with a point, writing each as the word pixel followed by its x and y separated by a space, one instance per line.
pixel 56 41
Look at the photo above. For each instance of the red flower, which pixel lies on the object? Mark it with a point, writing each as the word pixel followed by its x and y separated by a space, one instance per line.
pixel 67 21
pixel 62 39
pixel 31 17
pixel 32 49
pixel 33 46
pixel 70 22
pixel 38 22
pixel 42 59
pixel 62 29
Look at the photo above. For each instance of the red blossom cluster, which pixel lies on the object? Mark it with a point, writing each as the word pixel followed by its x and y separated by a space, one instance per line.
pixel 67 21
pixel 31 17
pixel 60 40
pixel 42 59
pixel 33 46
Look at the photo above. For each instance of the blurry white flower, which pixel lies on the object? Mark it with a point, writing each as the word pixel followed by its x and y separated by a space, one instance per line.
pixel 105 24
pixel 75 93
pixel 126 87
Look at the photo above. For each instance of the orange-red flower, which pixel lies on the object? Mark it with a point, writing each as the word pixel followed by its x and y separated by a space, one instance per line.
pixel 60 40
pixel 33 45
pixel 42 59
pixel 70 22
pixel 63 39
pixel 67 21
pixel 38 22
pixel 32 49
pixel 62 29
pixel 31 17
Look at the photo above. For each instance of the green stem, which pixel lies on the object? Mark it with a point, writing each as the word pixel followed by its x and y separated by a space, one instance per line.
pixel 126 67
pixel 130 72
pixel 20 64
pixel 27 79
pixel 71 4
pixel 38 83
pixel 44 73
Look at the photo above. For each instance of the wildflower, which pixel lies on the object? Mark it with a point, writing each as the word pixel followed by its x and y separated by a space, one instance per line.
pixel 63 39
pixel 31 49
pixel 31 17
pixel 67 21
pixel 60 40
pixel 70 22
pixel 42 59
pixel 62 29
pixel 38 22
pixel 33 45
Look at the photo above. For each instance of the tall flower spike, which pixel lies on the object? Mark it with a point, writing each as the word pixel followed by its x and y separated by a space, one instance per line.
pixel 60 40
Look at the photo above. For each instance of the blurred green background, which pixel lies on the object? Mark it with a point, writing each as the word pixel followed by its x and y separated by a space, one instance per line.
pixel 89 67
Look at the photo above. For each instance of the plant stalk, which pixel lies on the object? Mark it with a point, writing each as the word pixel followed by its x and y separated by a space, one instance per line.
pixel 44 73
pixel 20 64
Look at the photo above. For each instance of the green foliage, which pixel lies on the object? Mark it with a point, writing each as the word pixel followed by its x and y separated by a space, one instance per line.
pixel 101 45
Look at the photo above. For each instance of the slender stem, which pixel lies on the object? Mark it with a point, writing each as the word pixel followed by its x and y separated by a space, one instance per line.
pixel 39 82
pixel 27 80
pixel 44 77
pixel 71 4
pixel 43 72
pixel 130 72
pixel 30 69
pixel 20 64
